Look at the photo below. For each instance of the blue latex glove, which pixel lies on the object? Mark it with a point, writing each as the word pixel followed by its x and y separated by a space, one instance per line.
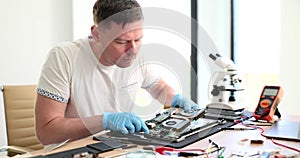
pixel 184 103
pixel 124 122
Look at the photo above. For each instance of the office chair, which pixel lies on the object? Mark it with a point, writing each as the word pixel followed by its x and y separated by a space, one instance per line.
pixel 19 103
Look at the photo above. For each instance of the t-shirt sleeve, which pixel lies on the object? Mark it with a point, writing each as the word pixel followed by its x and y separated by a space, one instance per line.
pixel 54 81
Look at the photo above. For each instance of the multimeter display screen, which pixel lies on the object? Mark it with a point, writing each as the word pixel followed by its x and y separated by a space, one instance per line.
pixel 270 92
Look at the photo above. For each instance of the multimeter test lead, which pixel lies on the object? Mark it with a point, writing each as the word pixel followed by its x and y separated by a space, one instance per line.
pixel 220 148
pixel 214 143
pixel 237 129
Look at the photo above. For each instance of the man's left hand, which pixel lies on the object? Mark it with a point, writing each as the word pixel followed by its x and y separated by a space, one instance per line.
pixel 184 103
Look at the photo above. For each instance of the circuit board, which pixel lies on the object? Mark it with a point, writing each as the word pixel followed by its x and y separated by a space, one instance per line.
pixel 172 125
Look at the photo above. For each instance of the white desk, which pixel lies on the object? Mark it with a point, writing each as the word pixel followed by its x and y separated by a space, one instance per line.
pixel 230 139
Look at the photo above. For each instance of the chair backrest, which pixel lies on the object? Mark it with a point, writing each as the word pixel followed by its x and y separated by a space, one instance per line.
pixel 19 103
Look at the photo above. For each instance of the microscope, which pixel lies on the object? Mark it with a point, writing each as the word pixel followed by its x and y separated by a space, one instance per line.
pixel 223 85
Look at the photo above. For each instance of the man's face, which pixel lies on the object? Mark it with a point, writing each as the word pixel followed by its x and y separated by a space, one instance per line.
pixel 123 44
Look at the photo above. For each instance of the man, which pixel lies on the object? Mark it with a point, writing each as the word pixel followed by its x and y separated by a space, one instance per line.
pixel 90 84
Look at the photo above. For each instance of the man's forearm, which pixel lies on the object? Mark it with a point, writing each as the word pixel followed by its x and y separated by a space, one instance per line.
pixel 61 129
pixel 162 92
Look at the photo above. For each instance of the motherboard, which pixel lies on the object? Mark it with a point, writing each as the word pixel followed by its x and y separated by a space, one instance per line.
pixel 171 125
pixel 174 124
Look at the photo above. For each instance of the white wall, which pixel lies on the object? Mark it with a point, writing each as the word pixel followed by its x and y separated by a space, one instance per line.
pixel 82 18
pixel 290 55
pixel 28 30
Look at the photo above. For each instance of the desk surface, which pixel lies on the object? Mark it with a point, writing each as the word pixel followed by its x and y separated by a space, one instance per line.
pixel 232 140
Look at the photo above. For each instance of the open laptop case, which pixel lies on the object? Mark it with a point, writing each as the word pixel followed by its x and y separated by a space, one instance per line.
pixel 287 130
pixel 173 127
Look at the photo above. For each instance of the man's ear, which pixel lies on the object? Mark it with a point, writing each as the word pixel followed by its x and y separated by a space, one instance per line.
pixel 95 33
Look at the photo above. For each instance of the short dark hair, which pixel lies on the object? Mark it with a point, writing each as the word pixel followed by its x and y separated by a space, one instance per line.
pixel 125 11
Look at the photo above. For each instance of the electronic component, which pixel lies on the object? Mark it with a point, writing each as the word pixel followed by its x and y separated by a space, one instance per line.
pixel 171 125
pixel 84 155
pixel 256 141
pixel 268 102
pixel 174 113
pixel 176 123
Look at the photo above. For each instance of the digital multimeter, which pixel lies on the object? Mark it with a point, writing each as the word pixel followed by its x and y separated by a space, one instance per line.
pixel 268 102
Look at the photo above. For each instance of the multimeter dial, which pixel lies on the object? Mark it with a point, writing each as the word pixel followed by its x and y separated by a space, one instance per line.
pixel 265 103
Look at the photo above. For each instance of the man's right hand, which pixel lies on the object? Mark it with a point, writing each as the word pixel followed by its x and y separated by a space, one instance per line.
pixel 124 122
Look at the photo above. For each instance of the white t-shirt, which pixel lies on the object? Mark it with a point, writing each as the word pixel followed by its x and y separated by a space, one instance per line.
pixel 72 74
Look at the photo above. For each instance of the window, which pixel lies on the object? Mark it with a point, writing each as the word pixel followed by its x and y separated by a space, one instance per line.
pixel 257 46
pixel 213 24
